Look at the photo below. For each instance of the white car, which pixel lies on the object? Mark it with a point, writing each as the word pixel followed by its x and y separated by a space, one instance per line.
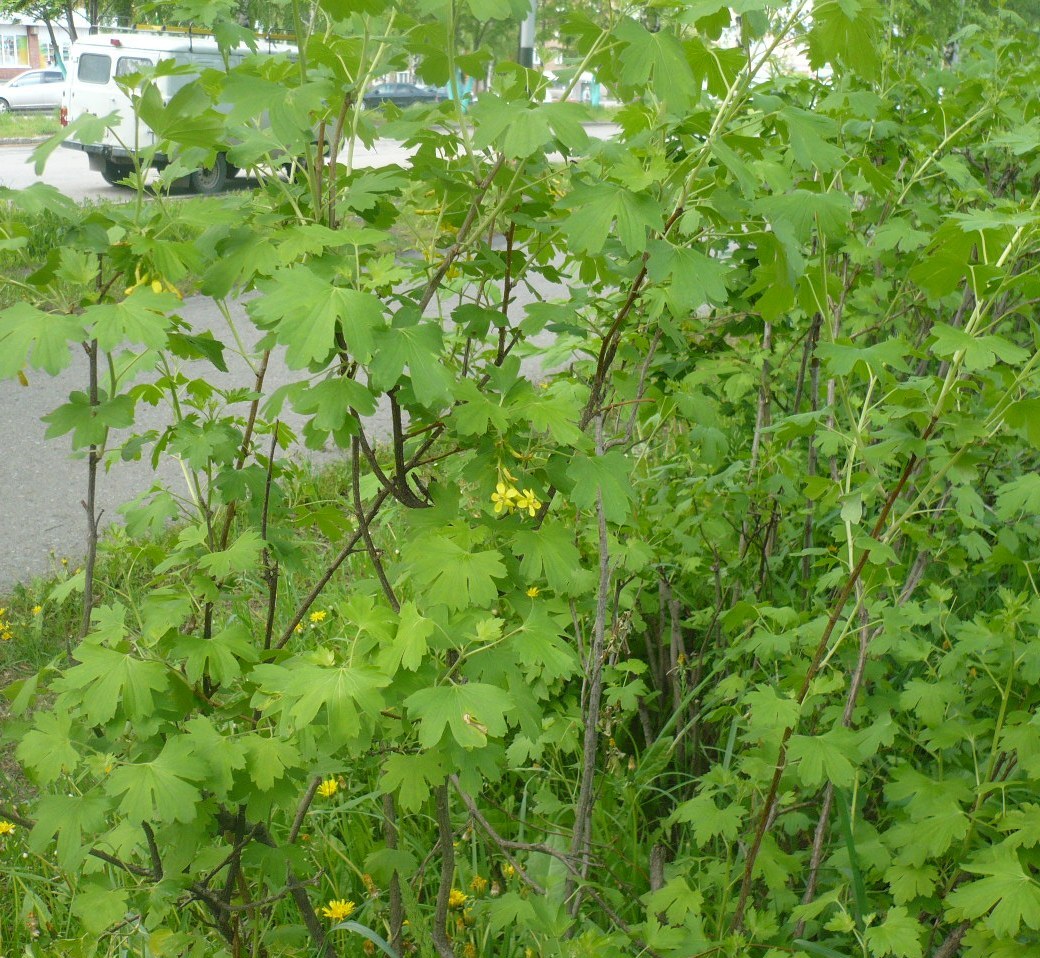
pixel 32 90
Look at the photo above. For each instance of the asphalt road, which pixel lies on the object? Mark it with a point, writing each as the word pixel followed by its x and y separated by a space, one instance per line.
pixel 42 484
pixel 69 171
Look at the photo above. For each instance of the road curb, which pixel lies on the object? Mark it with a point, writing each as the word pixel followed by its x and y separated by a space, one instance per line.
pixel 23 140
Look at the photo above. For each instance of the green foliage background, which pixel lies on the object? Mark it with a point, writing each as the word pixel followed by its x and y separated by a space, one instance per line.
pixel 712 632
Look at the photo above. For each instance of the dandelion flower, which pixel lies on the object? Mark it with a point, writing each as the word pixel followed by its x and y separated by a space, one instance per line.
pixel 37 609
pixel 318 616
pixel 328 788
pixel 338 909
pixel 508 871
pixel 533 592
pixel 479 884
pixel 6 828
pixel 457 899
pixel 469 950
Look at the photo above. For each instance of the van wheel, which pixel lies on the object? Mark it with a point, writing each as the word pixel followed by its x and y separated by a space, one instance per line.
pixel 5 107
pixel 232 171
pixel 212 180
pixel 113 174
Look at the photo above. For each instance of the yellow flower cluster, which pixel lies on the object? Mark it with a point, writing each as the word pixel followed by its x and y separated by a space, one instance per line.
pixel 6 828
pixel 479 884
pixel 457 899
pixel 5 627
pixel 507 497
pixel 328 788
pixel 338 909
pixel 318 616
pixel 158 284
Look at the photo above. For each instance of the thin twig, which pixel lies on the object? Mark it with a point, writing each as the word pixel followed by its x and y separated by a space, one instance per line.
pixel 505 846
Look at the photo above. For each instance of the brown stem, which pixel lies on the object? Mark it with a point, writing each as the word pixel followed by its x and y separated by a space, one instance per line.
pixel 90 503
pixel 347 550
pixel 952 942
pixel 301 810
pixel 581 840
pixel 399 484
pixel 247 439
pixel 447 847
pixel 153 852
pixel 463 234
pixel 507 292
pixel 270 563
pixel 836 609
pixel 396 904
pixel 362 521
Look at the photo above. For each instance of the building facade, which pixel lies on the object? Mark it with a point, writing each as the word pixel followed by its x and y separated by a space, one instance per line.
pixel 25 43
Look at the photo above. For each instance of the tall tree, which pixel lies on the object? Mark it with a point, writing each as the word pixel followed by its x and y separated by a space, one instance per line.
pixel 46 12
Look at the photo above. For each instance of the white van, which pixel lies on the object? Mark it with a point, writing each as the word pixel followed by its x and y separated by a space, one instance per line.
pixel 90 87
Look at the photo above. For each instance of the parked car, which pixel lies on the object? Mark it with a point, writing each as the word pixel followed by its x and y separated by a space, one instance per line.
pixel 32 90
pixel 403 94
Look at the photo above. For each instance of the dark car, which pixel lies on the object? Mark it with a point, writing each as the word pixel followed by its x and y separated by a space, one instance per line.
pixel 32 90
pixel 402 94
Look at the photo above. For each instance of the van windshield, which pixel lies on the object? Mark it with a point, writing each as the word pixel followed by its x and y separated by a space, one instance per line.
pixel 94 68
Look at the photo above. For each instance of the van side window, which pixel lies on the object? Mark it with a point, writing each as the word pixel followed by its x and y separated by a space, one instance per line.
pixel 128 65
pixel 94 68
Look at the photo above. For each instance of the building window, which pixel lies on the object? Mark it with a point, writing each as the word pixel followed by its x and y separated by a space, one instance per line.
pixel 14 50
pixel 47 52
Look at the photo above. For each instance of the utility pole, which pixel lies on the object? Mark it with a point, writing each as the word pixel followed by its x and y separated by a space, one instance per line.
pixel 527 37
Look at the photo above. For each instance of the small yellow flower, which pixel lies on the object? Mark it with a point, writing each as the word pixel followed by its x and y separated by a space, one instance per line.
pixel 504 497
pixel 529 501
pixel 338 909
pixel 318 616
pixel 328 788
pixel 533 592
pixel 508 871
pixel 299 627
pixel 457 899
pixel 6 828
pixel 469 950
pixel 37 609
pixel 479 884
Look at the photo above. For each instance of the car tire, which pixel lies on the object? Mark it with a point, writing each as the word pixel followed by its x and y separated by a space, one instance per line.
pixel 210 181
pixel 113 174
pixel 5 107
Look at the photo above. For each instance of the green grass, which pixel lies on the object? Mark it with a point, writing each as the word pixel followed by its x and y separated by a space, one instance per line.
pixel 18 125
